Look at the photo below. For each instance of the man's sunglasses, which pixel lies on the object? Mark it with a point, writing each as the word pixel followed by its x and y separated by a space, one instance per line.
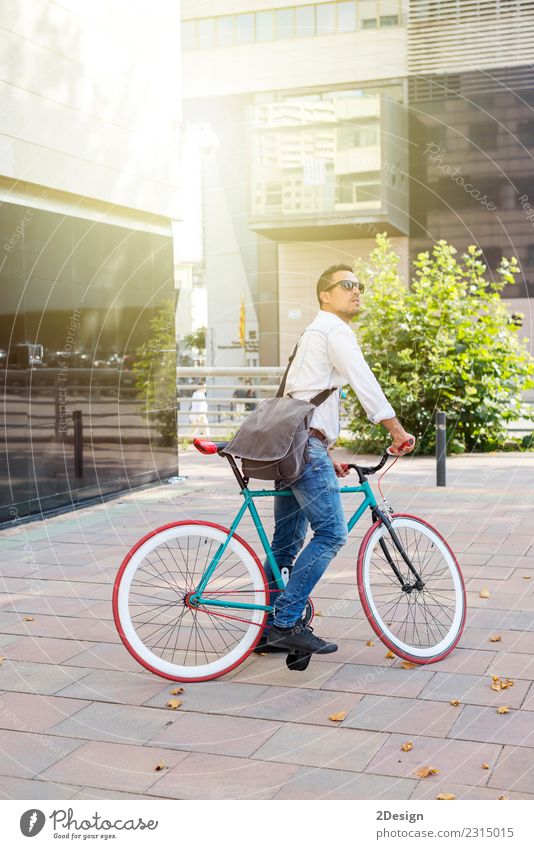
pixel 348 285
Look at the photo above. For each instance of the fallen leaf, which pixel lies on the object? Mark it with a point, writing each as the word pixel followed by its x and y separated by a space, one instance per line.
pixel 485 766
pixel 497 684
pixel 526 577
pixel 445 796
pixel 338 717
pixel 370 643
pixel 161 765
pixel 317 613
pixel 28 619
pixel 390 655
pixel 425 771
pixel 455 702
pixel 503 709
pixel 407 664
pixel 485 593
pixel 173 704
pixel 503 797
pixel 407 747
pixel 495 638
pixel 176 690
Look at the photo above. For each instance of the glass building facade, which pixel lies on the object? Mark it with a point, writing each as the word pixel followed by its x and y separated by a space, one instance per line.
pixel 78 312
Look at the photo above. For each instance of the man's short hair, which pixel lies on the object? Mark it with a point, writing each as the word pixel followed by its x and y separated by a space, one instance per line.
pixel 325 280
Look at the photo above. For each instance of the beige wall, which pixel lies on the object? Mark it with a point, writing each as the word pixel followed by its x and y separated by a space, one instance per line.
pixel 91 100
pixel 300 264
pixel 296 63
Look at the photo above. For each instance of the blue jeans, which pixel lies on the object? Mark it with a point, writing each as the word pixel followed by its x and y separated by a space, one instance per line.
pixel 315 502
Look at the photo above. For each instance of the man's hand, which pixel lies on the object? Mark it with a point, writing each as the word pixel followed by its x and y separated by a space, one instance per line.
pixel 341 469
pixel 399 437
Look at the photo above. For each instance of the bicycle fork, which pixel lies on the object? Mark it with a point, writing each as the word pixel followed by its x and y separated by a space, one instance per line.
pixel 406 586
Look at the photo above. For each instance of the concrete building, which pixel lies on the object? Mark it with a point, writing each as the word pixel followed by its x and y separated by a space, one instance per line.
pixel 91 187
pixel 323 112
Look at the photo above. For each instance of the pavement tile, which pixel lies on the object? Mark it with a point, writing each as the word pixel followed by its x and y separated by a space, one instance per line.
pixel 68 627
pixel 528 704
pixel 272 669
pixel 105 685
pixel 45 649
pixel 485 724
pixel 511 641
pixel 31 788
pixel 379 680
pixel 514 770
pixel 115 795
pixel 112 765
pixel 220 735
pixel 25 755
pixel 456 760
pixel 406 716
pixel 291 704
pixel 115 723
pixel 513 665
pixel 426 790
pixel 31 712
pixel 311 783
pixel 469 661
pixel 202 776
pixel 51 605
pixel 45 678
pixel 473 689
pixel 333 748
pixel 106 656
pixel 213 697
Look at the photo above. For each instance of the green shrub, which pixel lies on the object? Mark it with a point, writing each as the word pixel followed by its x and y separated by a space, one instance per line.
pixel 447 342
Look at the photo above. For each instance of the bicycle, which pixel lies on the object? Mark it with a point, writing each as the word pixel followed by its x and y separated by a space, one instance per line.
pixel 190 600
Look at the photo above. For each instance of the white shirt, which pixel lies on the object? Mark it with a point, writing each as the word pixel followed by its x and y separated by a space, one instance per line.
pixel 199 403
pixel 328 355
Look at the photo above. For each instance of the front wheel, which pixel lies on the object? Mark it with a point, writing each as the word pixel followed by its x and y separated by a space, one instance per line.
pixel 423 625
pixel 156 615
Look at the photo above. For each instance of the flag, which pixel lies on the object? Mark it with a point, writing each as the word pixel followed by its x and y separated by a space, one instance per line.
pixel 242 323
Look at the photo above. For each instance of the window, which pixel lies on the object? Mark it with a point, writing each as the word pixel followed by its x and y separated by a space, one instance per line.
pixel 346 17
pixel 369 23
pixel 206 32
pixel 305 20
pixel 189 35
pixel 264 26
pixel 530 255
pixel 226 31
pixel 245 28
pixel 284 23
pixel 389 20
pixel 326 18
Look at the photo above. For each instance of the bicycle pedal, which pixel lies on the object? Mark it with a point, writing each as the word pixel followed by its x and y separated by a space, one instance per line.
pixel 298 662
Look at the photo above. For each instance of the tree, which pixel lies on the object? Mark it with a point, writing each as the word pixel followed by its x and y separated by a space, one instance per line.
pixel 448 342
pixel 155 373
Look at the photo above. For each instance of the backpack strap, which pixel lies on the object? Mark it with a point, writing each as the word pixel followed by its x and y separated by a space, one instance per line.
pixel 317 399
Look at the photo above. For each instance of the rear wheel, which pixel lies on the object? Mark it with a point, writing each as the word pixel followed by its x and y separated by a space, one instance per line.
pixel 156 615
pixel 421 625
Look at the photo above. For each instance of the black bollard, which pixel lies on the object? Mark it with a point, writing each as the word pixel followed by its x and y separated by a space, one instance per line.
pixel 441 447
pixel 78 443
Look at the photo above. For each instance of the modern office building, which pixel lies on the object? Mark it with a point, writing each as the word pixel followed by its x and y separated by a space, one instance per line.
pixel 90 183
pixel 338 120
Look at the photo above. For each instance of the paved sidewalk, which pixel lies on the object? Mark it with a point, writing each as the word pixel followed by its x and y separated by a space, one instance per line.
pixel 80 719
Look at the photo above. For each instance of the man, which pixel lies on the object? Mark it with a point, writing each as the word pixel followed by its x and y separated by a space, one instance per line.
pixel 198 411
pixel 327 355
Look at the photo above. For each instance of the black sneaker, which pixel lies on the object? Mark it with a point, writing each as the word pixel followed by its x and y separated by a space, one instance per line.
pixel 264 647
pixel 300 638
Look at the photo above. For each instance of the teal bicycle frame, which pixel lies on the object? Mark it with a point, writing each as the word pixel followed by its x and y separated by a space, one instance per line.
pixel 196 598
